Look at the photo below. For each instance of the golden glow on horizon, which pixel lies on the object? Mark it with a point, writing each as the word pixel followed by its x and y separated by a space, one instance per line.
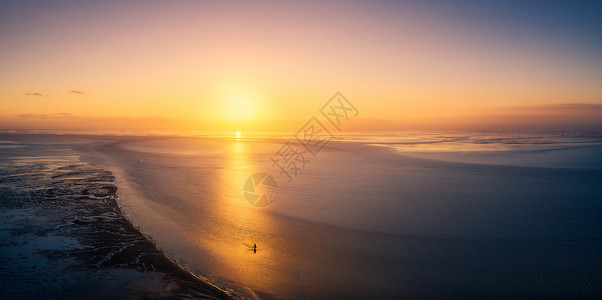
pixel 267 67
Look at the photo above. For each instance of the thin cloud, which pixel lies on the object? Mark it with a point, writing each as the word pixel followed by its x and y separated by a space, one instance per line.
pixel 27 115
pixel 37 94
pixel 556 107
pixel 77 92
pixel 579 106
pixel 44 116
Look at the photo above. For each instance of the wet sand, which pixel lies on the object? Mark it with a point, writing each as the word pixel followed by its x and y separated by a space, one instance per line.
pixel 64 237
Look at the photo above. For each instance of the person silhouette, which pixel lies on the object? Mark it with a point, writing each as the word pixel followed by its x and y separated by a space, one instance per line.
pixel 254 247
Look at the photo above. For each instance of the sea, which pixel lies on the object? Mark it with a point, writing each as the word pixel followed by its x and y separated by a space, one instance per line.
pixel 380 215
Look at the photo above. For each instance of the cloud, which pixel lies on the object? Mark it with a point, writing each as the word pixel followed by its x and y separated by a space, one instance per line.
pixel 562 107
pixel 564 116
pixel 44 116
pixel 26 115
pixel 580 106
pixel 37 94
pixel 77 92
pixel 110 124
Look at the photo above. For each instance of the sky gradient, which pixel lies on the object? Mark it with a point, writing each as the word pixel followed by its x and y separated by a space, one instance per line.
pixel 269 65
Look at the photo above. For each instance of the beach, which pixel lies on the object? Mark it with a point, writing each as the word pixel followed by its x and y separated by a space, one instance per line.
pixel 64 236
pixel 370 216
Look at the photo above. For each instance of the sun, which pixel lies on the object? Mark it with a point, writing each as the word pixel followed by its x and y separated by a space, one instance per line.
pixel 238 109
pixel 238 135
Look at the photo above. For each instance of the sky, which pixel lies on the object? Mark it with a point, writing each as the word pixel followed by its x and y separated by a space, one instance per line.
pixel 270 65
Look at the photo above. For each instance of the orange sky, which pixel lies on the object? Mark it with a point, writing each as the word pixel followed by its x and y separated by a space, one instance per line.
pixel 269 65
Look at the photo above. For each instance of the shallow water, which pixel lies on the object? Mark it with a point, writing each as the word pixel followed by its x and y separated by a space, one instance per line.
pixel 453 219
pixel 62 236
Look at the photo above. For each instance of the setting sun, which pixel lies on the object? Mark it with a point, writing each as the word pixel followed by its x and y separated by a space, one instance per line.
pixel 238 109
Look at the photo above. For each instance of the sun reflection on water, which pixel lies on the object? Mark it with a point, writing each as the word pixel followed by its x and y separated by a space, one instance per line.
pixel 241 225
